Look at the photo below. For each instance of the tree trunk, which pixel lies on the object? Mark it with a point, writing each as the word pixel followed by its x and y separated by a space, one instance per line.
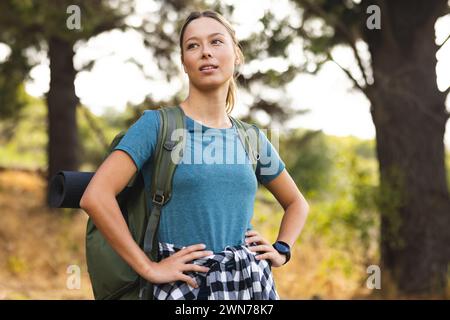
pixel 62 102
pixel 409 114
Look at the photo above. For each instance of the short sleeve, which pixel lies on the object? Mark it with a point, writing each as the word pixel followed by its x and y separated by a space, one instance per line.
pixel 270 165
pixel 140 140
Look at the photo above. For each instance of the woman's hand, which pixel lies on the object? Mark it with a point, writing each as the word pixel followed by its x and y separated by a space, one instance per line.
pixel 171 268
pixel 277 259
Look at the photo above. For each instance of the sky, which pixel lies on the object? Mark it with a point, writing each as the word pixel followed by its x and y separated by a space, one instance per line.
pixel 335 107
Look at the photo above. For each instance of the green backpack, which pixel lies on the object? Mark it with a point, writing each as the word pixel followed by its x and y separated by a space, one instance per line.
pixel 111 277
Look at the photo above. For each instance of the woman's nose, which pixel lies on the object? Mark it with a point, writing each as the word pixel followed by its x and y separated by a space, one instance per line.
pixel 207 54
pixel 206 51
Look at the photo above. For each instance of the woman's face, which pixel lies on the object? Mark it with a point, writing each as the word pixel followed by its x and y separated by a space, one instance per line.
pixel 207 41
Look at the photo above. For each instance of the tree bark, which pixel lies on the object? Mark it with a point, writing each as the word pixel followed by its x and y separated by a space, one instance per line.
pixel 409 114
pixel 63 144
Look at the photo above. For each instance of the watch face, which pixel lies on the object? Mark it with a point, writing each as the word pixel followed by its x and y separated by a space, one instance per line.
pixel 281 247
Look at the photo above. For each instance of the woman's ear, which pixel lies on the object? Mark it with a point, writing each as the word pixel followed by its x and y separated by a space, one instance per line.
pixel 237 61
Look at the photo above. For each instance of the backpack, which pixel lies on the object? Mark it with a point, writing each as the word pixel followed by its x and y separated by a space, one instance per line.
pixel 111 277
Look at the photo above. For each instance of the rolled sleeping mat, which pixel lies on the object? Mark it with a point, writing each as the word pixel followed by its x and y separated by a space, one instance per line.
pixel 67 188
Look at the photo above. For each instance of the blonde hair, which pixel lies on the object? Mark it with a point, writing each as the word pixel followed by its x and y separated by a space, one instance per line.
pixel 231 95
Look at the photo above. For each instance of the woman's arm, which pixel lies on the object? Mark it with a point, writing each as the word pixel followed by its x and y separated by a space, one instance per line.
pixel 99 201
pixel 295 205
pixel 296 210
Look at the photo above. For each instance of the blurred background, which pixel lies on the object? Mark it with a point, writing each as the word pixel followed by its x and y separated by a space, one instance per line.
pixel 357 89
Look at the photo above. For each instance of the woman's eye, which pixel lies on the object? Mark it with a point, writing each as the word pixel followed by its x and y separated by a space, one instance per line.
pixel 193 44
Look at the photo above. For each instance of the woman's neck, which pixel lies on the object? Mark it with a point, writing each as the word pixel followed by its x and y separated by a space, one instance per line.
pixel 207 108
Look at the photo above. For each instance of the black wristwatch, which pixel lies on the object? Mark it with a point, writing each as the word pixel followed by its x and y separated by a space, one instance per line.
pixel 283 248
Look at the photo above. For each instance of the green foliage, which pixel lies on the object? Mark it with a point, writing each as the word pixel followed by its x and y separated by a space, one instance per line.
pixel 12 92
pixel 310 166
pixel 25 143
pixel 94 142
pixel 25 146
pixel 343 210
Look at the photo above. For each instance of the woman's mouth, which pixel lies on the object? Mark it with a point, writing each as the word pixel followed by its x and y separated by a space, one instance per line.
pixel 208 69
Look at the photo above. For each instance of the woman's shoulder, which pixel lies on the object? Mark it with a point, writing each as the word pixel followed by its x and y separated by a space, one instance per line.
pixel 147 122
pixel 151 114
pixel 149 119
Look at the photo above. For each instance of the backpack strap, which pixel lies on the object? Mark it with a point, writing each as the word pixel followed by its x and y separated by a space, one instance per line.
pixel 161 189
pixel 249 136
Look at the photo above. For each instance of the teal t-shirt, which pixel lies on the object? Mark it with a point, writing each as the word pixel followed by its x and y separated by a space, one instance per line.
pixel 214 185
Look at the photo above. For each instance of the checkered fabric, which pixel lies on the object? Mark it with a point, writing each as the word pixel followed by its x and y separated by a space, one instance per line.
pixel 234 274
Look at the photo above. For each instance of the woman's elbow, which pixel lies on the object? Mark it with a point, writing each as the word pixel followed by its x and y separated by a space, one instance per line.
pixel 86 200
pixel 300 198
pixel 304 205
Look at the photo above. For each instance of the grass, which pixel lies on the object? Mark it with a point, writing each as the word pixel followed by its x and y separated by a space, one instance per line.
pixel 37 244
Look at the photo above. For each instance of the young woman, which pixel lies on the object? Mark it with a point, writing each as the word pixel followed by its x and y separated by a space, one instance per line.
pixel 207 220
